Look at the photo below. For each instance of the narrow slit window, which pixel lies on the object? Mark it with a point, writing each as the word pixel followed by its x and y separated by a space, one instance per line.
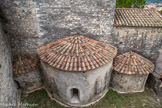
pixel 74 95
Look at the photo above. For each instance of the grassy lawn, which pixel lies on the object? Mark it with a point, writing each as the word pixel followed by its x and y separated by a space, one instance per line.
pixel 112 99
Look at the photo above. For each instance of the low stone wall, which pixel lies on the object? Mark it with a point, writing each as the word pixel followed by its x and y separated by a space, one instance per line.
pixel 124 83
pixel 8 92
pixel 92 85
pixel 144 41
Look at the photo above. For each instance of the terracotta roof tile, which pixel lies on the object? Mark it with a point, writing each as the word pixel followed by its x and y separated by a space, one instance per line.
pixel 133 63
pixel 77 53
pixel 23 63
pixel 137 17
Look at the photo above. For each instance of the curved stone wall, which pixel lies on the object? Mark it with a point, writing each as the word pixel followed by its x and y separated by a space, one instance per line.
pixel 76 88
pixel 124 83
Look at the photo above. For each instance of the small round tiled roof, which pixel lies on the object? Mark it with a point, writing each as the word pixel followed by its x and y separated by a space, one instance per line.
pixel 132 63
pixel 23 63
pixel 77 53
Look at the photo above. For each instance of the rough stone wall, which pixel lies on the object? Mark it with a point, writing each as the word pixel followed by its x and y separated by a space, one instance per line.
pixel 30 81
pixel 145 41
pixel 60 18
pixel 92 85
pixel 154 79
pixel 156 84
pixel 124 83
pixel 21 26
pixel 158 69
pixel 8 92
pixel 32 23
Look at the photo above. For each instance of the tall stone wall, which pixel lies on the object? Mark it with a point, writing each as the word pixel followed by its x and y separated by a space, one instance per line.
pixel 21 26
pixel 145 41
pixel 61 18
pixel 32 23
pixel 8 93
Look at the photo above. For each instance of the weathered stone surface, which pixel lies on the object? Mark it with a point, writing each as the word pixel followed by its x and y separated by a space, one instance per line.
pixel 32 23
pixel 144 41
pixel 155 79
pixel 30 81
pixel 58 19
pixel 156 84
pixel 91 85
pixel 8 92
pixel 21 26
pixel 158 69
pixel 123 83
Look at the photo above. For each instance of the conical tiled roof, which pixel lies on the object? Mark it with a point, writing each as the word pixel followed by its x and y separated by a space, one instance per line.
pixel 133 63
pixel 23 63
pixel 77 53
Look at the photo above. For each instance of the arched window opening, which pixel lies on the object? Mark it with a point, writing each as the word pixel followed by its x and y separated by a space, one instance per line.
pixel 75 95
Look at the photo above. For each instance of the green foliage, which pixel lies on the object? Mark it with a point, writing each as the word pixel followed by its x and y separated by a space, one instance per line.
pixel 130 3
pixel 42 99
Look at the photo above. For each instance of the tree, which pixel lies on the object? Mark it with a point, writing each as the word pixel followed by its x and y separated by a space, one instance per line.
pixel 130 3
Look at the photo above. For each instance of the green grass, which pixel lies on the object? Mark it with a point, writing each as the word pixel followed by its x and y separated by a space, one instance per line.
pixel 42 99
pixel 111 100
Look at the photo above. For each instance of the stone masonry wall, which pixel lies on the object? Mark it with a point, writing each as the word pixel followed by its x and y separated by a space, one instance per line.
pixel 8 92
pixel 21 26
pixel 30 81
pixel 61 18
pixel 91 84
pixel 155 82
pixel 32 23
pixel 145 41
pixel 124 83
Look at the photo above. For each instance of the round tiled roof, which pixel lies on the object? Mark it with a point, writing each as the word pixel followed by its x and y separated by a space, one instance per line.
pixel 132 63
pixel 23 63
pixel 77 53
